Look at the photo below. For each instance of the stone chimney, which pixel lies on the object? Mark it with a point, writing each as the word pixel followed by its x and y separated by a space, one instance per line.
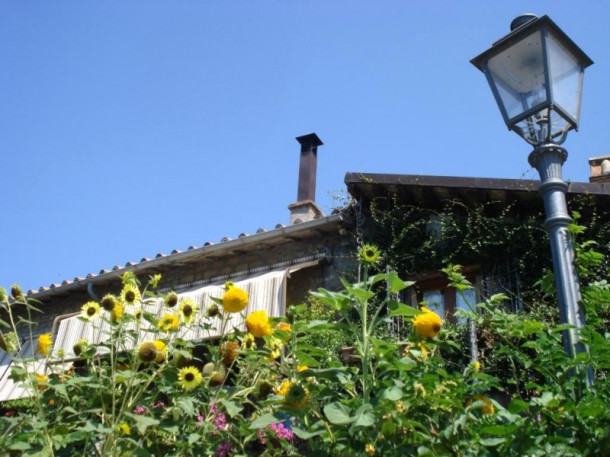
pixel 305 208
pixel 600 169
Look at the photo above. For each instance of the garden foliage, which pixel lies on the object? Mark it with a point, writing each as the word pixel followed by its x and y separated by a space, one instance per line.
pixel 275 389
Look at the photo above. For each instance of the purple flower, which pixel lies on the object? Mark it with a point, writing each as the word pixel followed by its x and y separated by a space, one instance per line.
pixel 223 450
pixel 139 410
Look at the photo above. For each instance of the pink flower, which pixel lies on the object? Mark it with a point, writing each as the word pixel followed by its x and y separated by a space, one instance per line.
pixel 139 410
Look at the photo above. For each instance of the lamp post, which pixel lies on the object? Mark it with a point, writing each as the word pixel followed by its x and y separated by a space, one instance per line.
pixel 536 73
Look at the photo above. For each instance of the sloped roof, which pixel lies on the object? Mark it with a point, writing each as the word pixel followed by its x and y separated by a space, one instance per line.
pixel 243 243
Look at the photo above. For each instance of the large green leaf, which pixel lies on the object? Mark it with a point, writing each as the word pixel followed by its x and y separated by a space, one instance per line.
pixel 400 309
pixel 338 413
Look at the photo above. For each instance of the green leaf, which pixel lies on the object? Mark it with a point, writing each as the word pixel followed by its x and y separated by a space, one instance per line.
pixel 518 406
pixel 492 441
pixel 193 438
pixel 396 284
pixel 392 393
pixel 400 309
pixel 364 417
pixel 142 422
pixel 20 446
pixel 232 408
pixel 267 419
pixel 303 434
pixel 338 413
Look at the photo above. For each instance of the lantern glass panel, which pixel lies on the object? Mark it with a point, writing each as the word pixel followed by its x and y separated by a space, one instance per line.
pixel 519 75
pixel 566 79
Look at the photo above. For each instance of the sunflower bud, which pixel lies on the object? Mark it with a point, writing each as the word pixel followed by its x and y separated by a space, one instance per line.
pixel 3 294
pixel 16 292
pixel 213 310
pixel 80 346
pixel 147 351
pixel 171 300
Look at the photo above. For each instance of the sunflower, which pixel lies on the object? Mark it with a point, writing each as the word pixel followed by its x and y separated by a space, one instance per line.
pixel 276 346
pixel 294 394
pixel 488 407
pixel 171 299
pixel 130 294
pixel 123 429
pixel 258 324
pixel 428 324
pixel 369 449
pixel 369 254
pixel 188 310
pixel 213 310
pixel 42 381
pixel 423 352
pixel 80 346
pixel 234 299
pixel 189 378
pixel 248 342
pixel 44 344
pixel 147 352
pixel 229 352
pixel 285 330
pixel 161 351
pixel 16 292
pixel 90 310
pixel 169 322
pixel 116 315
pixel 109 302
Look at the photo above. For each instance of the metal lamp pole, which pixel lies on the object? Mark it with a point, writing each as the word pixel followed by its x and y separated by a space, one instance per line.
pixel 536 73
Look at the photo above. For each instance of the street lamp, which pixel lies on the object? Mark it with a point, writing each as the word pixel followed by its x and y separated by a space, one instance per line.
pixel 536 73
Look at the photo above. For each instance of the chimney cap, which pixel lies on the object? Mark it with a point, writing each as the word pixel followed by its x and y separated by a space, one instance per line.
pixel 311 140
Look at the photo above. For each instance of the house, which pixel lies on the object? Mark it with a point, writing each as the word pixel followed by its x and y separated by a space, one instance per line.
pixel 278 267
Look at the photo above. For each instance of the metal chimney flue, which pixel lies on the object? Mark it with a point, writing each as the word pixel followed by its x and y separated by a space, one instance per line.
pixel 305 208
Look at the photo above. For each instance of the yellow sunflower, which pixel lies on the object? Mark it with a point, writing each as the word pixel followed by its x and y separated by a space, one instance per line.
pixel 90 310
pixel 258 324
pixel 116 315
pixel 369 449
pixel 130 294
pixel 295 395
pixel 161 351
pixel 123 429
pixel 42 381
pixel 234 300
pixel 169 322
pixel 276 346
pixel 285 330
pixel 488 407
pixel 423 352
pixel 45 343
pixel 369 254
pixel 188 310
pixel 428 324
pixel 189 378
pixel 248 342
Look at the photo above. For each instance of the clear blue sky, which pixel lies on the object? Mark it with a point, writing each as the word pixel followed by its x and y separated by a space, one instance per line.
pixel 129 128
